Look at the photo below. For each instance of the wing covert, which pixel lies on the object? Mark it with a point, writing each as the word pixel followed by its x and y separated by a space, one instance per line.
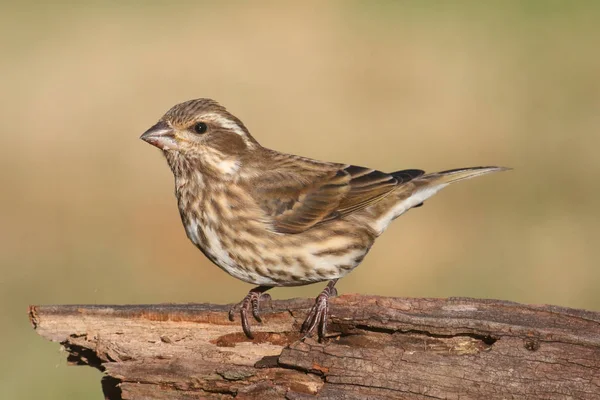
pixel 296 203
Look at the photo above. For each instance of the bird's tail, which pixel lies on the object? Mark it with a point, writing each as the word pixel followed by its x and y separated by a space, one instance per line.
pixel 425 186
pixel 444 178
pixel 415 187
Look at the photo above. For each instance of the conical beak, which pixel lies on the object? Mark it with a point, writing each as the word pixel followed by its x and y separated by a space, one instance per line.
pixel 160 135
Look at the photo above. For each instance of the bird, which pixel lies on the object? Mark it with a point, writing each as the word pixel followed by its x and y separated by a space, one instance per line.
pixel 273 219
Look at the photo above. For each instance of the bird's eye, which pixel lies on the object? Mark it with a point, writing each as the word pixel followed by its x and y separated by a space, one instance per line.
pixel 200 127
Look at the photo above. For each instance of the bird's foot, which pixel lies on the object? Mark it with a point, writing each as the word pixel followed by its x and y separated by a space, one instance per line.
pixel 317 317
pixel 250 303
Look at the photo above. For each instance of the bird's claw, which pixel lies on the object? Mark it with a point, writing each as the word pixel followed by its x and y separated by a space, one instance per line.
pixel 317 316
pixel 250 303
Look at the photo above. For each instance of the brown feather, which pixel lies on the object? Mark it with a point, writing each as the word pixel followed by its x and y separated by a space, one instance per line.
pixel 299 196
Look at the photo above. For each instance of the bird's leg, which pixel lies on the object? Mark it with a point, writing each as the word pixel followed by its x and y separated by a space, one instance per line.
pixel 250 303
pixel 318 313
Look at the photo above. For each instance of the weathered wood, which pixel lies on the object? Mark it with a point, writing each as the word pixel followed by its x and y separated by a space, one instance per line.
pixel 387 348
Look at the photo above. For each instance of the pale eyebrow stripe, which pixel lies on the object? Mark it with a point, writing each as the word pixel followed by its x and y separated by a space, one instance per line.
pixel 225 123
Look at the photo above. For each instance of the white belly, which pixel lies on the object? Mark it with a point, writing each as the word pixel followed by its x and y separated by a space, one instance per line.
pixel 295 263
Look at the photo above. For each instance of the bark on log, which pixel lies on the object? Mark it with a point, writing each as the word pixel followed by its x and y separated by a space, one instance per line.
pixel 387 348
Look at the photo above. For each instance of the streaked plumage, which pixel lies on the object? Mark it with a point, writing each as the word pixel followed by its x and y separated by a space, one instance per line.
pixel 274 219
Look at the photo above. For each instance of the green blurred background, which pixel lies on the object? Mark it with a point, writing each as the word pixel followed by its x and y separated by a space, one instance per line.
pixel 87 209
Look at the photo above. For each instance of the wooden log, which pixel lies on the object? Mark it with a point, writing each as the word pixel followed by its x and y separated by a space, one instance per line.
pixel 385 348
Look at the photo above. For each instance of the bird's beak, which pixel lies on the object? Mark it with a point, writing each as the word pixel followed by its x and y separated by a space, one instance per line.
pixel 160 135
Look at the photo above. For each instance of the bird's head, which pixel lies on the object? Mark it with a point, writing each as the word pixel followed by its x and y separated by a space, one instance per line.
pixel 202 132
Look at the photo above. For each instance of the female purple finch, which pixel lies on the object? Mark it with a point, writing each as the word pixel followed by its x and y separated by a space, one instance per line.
pixel 275 219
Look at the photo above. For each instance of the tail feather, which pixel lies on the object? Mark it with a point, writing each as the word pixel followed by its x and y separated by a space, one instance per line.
pixel 425 186
pixel 417 187
pixel 454 175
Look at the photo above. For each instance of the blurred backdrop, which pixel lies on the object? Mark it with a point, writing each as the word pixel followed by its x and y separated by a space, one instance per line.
pixel 87 209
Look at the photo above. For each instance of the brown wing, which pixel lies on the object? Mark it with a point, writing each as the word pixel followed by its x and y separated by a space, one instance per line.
pixel 296 205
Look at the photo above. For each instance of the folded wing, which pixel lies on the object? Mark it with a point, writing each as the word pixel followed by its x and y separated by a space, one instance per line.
pixel 296 203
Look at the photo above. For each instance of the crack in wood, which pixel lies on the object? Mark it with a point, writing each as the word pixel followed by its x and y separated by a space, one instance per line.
pixel 486 339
